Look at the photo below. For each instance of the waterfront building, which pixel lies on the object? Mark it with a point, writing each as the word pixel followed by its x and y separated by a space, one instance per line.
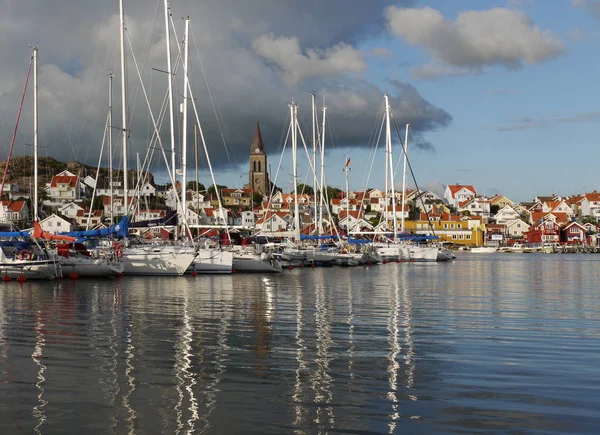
pixel 449 228
pixel 456 193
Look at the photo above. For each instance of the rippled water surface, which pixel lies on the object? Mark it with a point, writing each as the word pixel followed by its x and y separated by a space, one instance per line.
pixel 501 343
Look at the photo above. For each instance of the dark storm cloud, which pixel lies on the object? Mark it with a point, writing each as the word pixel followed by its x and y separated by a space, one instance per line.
pixel 79 45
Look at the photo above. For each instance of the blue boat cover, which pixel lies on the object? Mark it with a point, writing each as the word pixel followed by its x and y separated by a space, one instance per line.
pixel 120 229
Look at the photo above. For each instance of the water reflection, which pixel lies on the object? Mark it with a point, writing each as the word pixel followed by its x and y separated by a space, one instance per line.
pixel 301 413
pixel 321 381
pixel 38 412
pixel 395 348
pixel 183 374
pixel 309 351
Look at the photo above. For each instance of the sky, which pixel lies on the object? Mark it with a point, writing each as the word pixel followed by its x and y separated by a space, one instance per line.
pixel 500 95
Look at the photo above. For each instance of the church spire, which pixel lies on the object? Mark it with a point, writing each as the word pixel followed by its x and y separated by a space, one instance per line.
pixel 258 146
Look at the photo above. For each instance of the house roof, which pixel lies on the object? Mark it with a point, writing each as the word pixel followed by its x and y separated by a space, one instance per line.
pixel 83 213
pixel 594 196
pixel 15 206
pixel 64 179
pixel 358 214
pixel 225 191
pixel 560 217
pixel 455 188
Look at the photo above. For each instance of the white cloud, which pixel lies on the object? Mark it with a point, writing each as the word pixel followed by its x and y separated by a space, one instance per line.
pixel 474 40
pixel 592 6
pixel 296 65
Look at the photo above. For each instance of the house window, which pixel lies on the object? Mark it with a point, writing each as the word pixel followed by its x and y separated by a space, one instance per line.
pixel 451 225
pixel 574 230
pixel 468 237
pixel 518 225
pixel 453 236
pixel 446 226
pixel 461 237
pixel 58 224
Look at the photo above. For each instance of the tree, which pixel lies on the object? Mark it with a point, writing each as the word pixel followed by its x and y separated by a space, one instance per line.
pixel 98 203
pixel 211 189
pixel 494 209
pixel 589 219
pixel 305 188
pixel 332 192
pixel 195 186
pixel 257 198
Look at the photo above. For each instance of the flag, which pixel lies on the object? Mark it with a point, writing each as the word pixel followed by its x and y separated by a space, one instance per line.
pixel 347 161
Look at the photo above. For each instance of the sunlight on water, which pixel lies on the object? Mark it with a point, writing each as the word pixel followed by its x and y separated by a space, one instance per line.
pixel 487 344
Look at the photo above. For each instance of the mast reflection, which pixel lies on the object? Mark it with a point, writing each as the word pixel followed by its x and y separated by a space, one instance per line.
pixel 38 411
pixel 321 381
pixel 183 364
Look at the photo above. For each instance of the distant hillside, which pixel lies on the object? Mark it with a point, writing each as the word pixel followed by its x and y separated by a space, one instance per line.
pixel 20 170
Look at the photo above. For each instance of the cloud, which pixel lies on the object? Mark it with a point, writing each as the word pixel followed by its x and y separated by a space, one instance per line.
pixel 286 54
pixel 79 45
pixel 381 52
pixel 527 123
pixel 592 6
pixel 503 91
pixel 476 39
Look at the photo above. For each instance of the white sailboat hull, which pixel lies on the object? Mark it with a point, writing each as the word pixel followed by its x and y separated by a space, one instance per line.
pixel 419 253
pixel 93 267
pixel 157 260
pixel 256 263
pixel 483 250
pixel 36 269
pixel 210 261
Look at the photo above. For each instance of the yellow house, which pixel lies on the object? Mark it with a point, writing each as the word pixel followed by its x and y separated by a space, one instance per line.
pixel 501 201
pixel 236 197
pixel 449 228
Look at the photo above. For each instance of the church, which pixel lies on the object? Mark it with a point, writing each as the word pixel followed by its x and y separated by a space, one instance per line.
pixel 258 176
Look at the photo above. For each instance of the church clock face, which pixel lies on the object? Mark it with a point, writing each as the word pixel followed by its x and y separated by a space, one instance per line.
pixel 257 150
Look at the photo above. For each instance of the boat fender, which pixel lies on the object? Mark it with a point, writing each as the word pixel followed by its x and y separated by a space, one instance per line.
pixel 118 250
pixel 24 254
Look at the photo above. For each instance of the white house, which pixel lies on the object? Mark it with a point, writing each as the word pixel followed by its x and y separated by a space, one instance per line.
pixel 456 193
pixel 56 224
pixel 507 214
pixel 69 209
pixel 476 206
pixel 589 205
pixel 214 216
pixel 273 221
pixel 94 217
pixel 516 228
pixel 14 211
pixel 64 187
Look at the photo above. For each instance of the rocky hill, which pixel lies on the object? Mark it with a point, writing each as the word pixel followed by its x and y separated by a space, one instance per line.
pixel 20 170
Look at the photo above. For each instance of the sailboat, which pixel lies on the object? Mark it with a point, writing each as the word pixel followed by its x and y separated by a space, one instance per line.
pixel 143 258
pixel 22 257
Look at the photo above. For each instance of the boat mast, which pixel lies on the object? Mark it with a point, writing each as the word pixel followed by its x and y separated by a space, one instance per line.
pixel 123 106
pixel 110 162
pixel 170 92
pixel 184 129
pixel 404 176
pixel 35 134
pixel 389 166
pixel 323 191
pixel 294 117
pixel 347 170
pixel 314 139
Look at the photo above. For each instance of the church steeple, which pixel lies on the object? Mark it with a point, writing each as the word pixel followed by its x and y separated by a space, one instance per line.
pixel 258 146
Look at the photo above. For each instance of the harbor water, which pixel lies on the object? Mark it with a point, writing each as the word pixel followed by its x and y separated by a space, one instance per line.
pixel 496 343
